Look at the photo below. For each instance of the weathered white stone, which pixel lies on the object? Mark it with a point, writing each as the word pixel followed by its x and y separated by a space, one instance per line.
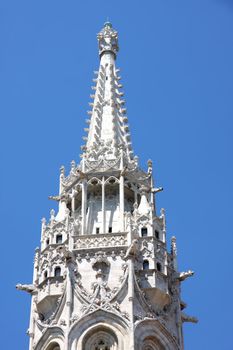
pixel 103 278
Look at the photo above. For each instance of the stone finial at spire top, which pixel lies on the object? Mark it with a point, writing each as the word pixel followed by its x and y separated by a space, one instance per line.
pixel 108 39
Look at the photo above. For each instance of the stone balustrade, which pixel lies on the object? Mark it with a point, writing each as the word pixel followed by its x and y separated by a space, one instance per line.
pixel 101 241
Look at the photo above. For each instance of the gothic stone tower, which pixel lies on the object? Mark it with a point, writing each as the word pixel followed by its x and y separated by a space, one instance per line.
pixel 103 277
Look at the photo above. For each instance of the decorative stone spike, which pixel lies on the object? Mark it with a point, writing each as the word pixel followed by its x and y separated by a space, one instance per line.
pixel 102 75
pixel 62 170
pixel 52 214
pixel 72 165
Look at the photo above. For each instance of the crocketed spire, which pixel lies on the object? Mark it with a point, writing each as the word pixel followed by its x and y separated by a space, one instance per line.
pixel 107 130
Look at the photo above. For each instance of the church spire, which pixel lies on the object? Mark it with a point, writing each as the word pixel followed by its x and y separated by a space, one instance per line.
pixel 103 276
pixel 107 130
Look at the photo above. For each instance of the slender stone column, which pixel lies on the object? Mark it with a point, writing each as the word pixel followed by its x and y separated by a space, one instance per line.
pixel 122 204
pixel 73 201
pixel 135 196
pixel 122 193
pixel 103 207
pixel 152 197
pixel 131 293
pixel 69 298
pixel 84 205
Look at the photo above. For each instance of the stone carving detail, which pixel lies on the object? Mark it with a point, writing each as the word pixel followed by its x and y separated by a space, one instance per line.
pixel 101 297
pixel 105 240
pixel 29 288
pixel 108 39
pixel 126 276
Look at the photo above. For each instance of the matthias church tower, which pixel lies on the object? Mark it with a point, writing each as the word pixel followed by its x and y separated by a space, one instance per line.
pixel 103 276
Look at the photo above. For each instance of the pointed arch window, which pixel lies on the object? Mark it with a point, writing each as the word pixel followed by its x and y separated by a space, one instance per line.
pixel 53 346
pixel 102 339
pixel 144 231
pixel 57 271
pixel 157 234
pixel 102 345
pixel 145 265
pixel 58 239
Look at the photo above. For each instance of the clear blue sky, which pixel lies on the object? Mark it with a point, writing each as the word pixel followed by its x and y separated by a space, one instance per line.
pixel 177 68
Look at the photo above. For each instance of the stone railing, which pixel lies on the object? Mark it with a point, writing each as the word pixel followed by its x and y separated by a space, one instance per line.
pixel 100 241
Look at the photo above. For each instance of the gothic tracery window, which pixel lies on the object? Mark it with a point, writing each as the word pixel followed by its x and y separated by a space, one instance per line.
pixel 102 345
pixel 100 340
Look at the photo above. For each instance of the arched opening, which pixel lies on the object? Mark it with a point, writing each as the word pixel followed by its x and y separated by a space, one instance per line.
pixel 157 234
pixel 100 339
pixel 144 231
pixel 59 239
pixel 151 343
pixel 159 267
pixel 57 271
pixel 53 346
pixel 145 265
pixel 45 274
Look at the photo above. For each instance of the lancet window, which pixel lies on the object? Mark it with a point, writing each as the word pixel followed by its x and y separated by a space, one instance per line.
pixel 59 239
pixel 57 271
pixel 145 265
pixel 144 231
pixel 159 266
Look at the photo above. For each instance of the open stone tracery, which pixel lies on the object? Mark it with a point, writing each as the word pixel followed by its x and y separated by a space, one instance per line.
pixel 103 276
